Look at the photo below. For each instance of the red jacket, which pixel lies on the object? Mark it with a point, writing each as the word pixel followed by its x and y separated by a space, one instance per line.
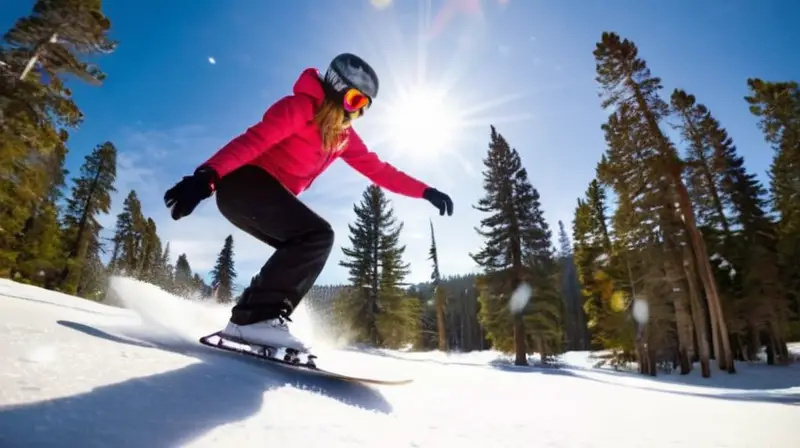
pixel 287 144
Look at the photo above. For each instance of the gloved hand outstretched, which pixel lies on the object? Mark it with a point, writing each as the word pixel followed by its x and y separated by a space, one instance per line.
pixel 439 200
pixel 184 196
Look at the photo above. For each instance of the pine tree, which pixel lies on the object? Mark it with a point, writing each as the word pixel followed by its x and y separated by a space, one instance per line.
pixel 501 256
pixel 94 275
pixel 198 287
pixel 29 171
pixel 39 242
pixel 375 309
pixel 643 256
pixel 59 33
pixel 565 263
pixel 440 294
pixel 36 110
pixel 777 105
pixel 732 210
pixel 40 253
pixel 544 321
pixel 130 229
pixel 704 181
pixel 91 195
pixel 705 171
pixel 37 189
pixel 633 91
pixel 516 249
pixel 465 306
pixel 183 282
pixel 605 301
pixel 575 318
pixel 164 271
pixel 224 274
pixel 149 262
pixel 590 234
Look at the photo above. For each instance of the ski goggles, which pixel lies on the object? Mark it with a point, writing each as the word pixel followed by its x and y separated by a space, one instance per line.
pixel 355 101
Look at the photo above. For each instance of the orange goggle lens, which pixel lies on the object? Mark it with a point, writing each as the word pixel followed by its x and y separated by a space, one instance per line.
pixel 355 100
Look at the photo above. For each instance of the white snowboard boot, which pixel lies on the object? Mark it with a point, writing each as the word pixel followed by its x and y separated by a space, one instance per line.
pixel 273 333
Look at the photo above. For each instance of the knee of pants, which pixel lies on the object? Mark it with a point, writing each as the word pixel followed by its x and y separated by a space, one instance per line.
pixel 322 239
pixel 327 236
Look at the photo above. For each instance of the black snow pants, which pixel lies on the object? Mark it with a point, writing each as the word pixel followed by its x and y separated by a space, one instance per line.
pixel 255 202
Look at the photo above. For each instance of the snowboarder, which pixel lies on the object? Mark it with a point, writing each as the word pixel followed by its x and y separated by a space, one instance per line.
pixel 258 175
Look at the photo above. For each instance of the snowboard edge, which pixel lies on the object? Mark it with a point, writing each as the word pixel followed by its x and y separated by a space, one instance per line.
pixel 302 368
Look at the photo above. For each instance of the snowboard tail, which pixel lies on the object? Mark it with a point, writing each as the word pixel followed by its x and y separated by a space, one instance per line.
pixel 291 358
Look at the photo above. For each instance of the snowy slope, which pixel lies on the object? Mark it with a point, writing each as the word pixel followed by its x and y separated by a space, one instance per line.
pixel 77 373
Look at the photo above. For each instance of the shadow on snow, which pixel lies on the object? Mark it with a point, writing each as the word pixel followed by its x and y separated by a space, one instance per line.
pixel 753 394
pixel 62 305
pixel 755 380
pixel 378 352
pixel 170 408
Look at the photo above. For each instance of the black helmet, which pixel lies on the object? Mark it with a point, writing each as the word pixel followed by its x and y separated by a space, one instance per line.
pixel 348 71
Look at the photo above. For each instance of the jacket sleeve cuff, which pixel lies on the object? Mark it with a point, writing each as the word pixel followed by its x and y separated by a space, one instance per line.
pixel 209 174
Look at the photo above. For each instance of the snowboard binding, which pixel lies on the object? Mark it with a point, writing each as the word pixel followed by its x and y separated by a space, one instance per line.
pixel 286 355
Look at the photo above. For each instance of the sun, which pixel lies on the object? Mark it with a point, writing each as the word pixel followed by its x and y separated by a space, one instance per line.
pixel 420 123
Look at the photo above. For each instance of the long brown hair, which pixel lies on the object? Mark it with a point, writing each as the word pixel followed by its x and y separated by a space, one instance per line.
pixel 332 123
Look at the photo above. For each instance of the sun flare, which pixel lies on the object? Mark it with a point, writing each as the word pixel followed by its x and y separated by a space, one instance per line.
pixel 421 123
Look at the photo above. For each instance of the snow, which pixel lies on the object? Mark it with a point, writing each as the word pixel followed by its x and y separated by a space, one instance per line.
pixel 78 373
pixel 519 298
pixel 641 311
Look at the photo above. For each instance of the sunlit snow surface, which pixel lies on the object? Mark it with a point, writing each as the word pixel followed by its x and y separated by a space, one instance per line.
pixel 80 374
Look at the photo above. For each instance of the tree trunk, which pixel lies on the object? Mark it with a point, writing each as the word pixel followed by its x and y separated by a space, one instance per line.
pixel 774 334
pixel 468 338
pixel 520 343
pixel 643 352
pixel 738 349
pixel 439 295
pixel 698 313
pixel 521 358
pixel 771 351
pixel 651 359
pixel 782 350
pixel 683 321
pixel 724 357
pixel 754 346
pixel 685 336
pixel 375 286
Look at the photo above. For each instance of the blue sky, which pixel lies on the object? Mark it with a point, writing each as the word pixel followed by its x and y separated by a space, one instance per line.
pixel 524 65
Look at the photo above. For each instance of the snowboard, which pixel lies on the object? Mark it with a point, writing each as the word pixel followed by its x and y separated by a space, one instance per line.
pixel 307 368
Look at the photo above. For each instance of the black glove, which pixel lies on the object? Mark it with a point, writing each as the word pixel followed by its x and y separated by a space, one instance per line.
pixel 184 196
pixel 439 200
